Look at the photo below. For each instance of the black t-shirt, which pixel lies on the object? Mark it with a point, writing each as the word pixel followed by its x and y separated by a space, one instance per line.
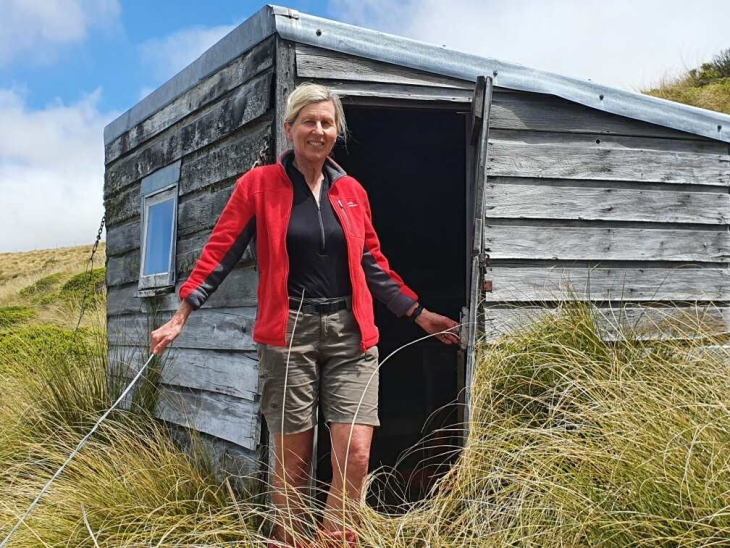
pixel 315 242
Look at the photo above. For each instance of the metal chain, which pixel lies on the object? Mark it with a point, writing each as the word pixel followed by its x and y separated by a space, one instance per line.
pixel 90 270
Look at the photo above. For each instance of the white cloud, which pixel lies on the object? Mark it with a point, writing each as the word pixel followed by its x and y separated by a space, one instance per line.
pixel 169 55
pixel 623 43
pixel 35 28
pixel 51 172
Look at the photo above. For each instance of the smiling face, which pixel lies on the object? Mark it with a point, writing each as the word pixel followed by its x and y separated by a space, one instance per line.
pixel 313 133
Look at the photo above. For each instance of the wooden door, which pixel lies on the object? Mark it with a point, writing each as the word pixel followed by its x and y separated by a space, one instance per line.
pixel 477 255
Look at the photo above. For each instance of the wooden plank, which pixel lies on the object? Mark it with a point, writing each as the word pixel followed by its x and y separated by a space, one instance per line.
pixel 620 323
pixel 201 211
pixel 212 329
pixel 122 269
pixel 189 249
pixel 284 85
pixel 566 162
pixel 121 239
pixel 232 419
pixel 122 206
pixel 221 372
pixel 246 67
pixel 535 284
pixel 230 158
pixel 570 202
pixel 238 289
pixel 235 464
pixel 320 63
pixel 398 91
pixel 532 111
pixel 610 141
pixel 245 104
pixel 603 244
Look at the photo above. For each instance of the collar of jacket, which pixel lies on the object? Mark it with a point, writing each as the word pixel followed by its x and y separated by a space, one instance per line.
pixel 333 169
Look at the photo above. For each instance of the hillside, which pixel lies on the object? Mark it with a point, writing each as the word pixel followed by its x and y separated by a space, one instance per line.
pixel 45 287
pixel 707 86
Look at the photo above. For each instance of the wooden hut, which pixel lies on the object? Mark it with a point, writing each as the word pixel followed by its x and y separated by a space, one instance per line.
pixel 493 187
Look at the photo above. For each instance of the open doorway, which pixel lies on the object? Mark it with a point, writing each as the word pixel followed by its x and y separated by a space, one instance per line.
pixel 412 162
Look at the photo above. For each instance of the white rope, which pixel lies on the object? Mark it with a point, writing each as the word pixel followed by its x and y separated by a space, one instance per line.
pixel 74 453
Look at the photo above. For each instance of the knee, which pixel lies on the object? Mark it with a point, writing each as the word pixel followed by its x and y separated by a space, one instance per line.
pixel 358 460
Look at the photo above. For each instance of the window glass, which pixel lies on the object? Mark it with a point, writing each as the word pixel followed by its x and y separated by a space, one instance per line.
pixel 159 238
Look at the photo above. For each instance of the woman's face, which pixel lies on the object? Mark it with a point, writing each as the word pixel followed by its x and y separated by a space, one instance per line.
pixel 313 133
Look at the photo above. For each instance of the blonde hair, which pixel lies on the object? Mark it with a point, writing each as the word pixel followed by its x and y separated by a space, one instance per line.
pixel 308 93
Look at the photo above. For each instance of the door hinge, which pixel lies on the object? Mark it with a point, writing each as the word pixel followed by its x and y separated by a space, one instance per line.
pixel 488 286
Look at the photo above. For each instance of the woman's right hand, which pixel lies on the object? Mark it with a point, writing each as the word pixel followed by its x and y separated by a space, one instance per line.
pixel 162 337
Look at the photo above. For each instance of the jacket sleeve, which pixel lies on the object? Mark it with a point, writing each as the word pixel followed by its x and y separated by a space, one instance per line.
pixel 384 283
pixel 230 237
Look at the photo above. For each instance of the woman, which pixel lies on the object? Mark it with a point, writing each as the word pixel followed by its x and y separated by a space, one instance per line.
pixel 320 265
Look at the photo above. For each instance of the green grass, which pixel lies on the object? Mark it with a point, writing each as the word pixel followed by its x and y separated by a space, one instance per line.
pixel 11 315
pixel 43 287
pixel 42 343
pixel 574 441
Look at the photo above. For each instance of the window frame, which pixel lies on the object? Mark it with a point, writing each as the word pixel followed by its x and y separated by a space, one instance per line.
pixel 157 188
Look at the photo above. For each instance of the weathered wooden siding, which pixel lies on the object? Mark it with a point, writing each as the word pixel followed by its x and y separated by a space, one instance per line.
pixel 357 77
pixel 583 204
pixel 209 380
pixel 580 203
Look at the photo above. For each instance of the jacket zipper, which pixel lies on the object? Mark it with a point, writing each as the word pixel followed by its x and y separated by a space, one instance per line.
pixel 347 219
pixel 323 246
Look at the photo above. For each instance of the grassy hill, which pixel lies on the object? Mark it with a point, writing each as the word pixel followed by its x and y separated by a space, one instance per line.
pixel 45 287
pixel 707 86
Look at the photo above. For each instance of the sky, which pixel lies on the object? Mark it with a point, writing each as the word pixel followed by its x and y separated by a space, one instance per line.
pixel 69 67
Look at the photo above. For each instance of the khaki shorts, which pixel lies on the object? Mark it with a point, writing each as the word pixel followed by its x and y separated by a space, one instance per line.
pixel 326 366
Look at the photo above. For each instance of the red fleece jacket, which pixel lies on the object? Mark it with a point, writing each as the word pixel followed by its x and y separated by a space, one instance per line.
pixel 261 203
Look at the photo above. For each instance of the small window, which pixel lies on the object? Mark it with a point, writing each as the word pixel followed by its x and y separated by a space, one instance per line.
pixel 159 228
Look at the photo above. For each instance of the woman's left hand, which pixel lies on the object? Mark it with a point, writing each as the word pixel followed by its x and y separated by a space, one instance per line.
pixel 436 323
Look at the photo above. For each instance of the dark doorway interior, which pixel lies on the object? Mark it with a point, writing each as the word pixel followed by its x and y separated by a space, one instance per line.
pixel 412 162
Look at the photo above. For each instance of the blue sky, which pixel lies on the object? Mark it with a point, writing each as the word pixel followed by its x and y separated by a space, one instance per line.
pixel 69 67
pixel 118 55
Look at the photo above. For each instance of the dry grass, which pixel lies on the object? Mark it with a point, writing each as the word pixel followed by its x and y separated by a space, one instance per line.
pixel 714 96
pixel 19 270
pixel 707 86
pixel 574 441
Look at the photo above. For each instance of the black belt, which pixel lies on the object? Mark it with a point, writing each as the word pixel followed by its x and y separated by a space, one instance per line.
pixel 320 308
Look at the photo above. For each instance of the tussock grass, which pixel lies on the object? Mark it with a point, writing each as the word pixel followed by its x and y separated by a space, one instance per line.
pixel 707 86
pixel 574 441
pixel 42 287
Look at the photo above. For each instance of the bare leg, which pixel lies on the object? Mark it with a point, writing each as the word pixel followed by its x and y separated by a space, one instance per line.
pixel 351 480
pixel 292 468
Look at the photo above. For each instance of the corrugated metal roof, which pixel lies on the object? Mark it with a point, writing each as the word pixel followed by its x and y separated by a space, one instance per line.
pixel 324 33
